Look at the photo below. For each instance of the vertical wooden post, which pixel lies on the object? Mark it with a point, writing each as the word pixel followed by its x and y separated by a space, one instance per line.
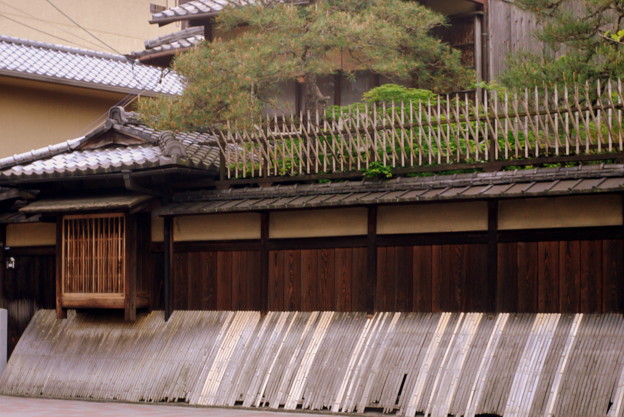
pixel 168 265
pixel 2 264
pixel 372 260
pixel 130 262
pixel 61 313
pixel 264 261
pixel 492 256
pixel 478 46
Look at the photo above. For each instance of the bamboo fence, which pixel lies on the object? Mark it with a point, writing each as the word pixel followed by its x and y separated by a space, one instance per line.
pixel 93 254
pixel 543 124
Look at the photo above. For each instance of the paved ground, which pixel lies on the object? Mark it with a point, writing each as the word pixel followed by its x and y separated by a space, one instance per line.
pixel 37 407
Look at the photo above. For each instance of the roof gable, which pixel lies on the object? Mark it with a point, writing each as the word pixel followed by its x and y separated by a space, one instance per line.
pixel 122 143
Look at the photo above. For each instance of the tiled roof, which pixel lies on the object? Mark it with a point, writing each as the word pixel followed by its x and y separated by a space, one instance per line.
pixel 505 184
pixel 176 41
pixel 153 149
pixel 198 9
pixel 67 205
pixel 59 64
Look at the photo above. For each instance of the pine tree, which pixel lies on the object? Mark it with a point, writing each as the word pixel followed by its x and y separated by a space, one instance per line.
pixel 581 39
pixel 235 78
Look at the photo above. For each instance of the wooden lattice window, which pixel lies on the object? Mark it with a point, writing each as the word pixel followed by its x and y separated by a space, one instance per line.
pixel 93 254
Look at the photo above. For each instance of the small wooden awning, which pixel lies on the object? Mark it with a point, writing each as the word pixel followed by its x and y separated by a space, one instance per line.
pixel 88 204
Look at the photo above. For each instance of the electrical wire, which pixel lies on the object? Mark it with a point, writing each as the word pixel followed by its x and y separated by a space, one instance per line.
pixel 35 29
pixel 123 102
pixel 93 45
pixel 132 61
pixel 83 28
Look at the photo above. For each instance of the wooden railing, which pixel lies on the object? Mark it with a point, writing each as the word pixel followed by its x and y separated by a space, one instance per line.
pixel 543 125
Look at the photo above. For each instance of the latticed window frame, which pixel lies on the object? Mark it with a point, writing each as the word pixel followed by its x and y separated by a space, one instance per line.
pixel 93 254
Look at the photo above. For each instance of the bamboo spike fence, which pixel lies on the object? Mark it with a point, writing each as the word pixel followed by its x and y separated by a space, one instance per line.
pixel 558 124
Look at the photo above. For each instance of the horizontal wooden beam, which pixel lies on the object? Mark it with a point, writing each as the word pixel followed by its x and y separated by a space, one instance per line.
pixel 112 301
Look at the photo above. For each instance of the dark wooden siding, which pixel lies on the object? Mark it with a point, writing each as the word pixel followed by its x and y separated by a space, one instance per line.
pixel 417 273
pixel 332 279
pixel 567 276
pixel 432 278
pixel 217 280
pixel 27 288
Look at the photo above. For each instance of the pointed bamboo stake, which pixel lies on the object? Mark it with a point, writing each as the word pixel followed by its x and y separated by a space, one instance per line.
pixel 438 136
pixel 507 125
pixel 411 133
pixel 429 132
pixel 568 137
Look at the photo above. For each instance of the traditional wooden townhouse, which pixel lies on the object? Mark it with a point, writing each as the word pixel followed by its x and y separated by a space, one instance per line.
pixel 282 268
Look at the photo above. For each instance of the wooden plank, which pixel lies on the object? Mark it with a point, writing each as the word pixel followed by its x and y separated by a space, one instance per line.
pixel 343 271
pixel 179 282
pixel 255 296
pixel 81 300
pixel 224 280
pixel 591 276
pixel 194 269
pixel 570 276
pixel 371 245
pixel 527 263
pixel 209 281
pixel 613 271
pixel 507 286
pixel 437 279
pixel 490 279
pixel 457 261
pixel 480 291
pixel 385 289
pixel 309 277
pixel 422 278
pixel 130 267
pixel 361 288
pixel 61 313
pixel 292 280
pixel 264 262
pixel 548 276
pixel 326 279
pixel 404 265
pixel 276 298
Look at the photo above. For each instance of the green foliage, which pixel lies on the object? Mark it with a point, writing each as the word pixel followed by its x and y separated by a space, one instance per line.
pixel 583 44
pixel 386 93
pixel 377 170
pixel 268 43
pixel 393 93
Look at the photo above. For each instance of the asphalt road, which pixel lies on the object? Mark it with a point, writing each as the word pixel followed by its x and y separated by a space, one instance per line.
pixel 38 407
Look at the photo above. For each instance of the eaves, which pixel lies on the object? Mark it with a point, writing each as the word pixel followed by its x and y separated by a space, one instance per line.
pixel 81 84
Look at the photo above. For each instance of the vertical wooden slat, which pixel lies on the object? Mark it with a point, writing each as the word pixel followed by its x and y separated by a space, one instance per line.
pixel 490 290
pixel 569 276
pixel 326 279
pixel 422 290
pixel 591 273
pixel 309 280
pixel 548 276
pixel 264 262
pixel 343 271
pixel 613 265
pixel 371 276
pixel 527 264
pixel 130 267
pixel 61 313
